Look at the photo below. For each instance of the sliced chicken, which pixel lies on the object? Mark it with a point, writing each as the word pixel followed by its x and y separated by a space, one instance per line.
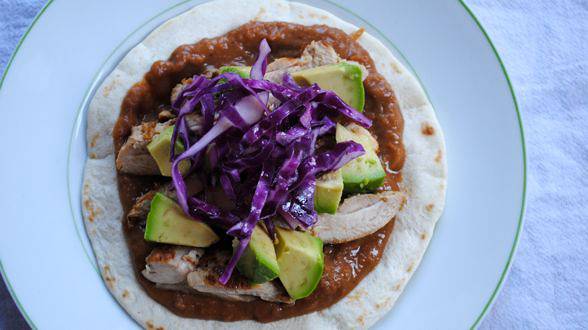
pixel 138 213
pixel 178 88
pixel 359 216
pixel 140 210
pixel 317 53
pixel 205 279
pixel 134 158
pixel 208 73
pixel 171 265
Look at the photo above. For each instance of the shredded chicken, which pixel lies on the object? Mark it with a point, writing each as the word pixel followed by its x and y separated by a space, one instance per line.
pixel 317 53
pixel 140 210
pixel 359 216
pixel 171 265
pixel 134 158
pixel 190 270
pixel 205 279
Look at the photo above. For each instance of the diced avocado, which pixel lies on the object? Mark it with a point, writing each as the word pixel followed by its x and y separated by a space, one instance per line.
pixel 328 192
pixel 354 132
pixel 345 79
pixel 365 173
pixel 159 148
pixel 242 71
pixel 259 263
pixel 167 223
pixel 301 261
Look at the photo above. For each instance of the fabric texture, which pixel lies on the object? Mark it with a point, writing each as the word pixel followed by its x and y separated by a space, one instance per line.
pixel 544 46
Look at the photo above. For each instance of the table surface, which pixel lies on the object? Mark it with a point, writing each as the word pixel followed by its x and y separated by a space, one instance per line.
pixel 544 46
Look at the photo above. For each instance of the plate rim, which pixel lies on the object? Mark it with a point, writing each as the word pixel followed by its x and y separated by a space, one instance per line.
pixel 506 269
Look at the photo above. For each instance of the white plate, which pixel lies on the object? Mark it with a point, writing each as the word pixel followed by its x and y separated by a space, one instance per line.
pixel 44 252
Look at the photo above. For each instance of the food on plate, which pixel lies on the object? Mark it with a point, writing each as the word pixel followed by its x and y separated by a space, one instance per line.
pixel 300 257
pixel 167 223
pixel 259 262
pixel 260 165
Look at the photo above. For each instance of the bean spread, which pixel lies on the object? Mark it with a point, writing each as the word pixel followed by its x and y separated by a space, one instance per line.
pixel 345 264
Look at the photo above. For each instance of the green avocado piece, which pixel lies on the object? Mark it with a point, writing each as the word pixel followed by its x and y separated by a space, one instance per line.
pixel 167 223
pixel 159 148
pixel 345 79
pixel 365 173
pixel 354 132
pixel 301 261
pixel 259 263
pixel 242 71
pixel 328 192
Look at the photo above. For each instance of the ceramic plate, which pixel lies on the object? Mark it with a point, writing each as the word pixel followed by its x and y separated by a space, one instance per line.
pixel 72 45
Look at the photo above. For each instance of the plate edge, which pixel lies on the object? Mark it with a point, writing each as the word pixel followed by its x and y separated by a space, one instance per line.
pixel 511 254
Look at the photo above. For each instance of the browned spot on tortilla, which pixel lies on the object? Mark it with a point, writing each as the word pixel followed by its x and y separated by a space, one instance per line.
pixel 429 207
pixel 395 67
pixel 439 156
pixel 93 155
pixel 383 304
pixel 361 320
pixel 397 287
pixel 427 129
pixel 92 212
pixel 108 277
pixel 423 236
pixel 94 140
pixel 403 202
pixel 313 15
pixel 357 34
pixel 357 295
pixel 150 326
pixel 259 14
pixel 125 294
pixel 410 268
pixel 107 89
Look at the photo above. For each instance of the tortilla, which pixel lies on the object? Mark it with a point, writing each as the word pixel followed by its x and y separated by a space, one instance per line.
pixel 424 172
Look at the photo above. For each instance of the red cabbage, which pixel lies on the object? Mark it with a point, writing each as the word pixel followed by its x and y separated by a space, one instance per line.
pixel 260 65
pixel 265 162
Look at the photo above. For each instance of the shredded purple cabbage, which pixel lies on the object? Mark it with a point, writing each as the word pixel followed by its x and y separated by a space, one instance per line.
pixel 266 162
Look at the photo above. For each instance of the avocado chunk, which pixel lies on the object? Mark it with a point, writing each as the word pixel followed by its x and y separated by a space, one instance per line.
pixel 365 173
pixel 301 261
pixel 356 133
pixel 242 71
pixel 167 223
pixel 259 263
pixel 328 192
pixel 160 148
pixel 345 79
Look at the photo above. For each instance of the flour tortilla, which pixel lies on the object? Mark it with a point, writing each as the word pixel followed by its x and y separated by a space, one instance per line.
pixel 424 172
